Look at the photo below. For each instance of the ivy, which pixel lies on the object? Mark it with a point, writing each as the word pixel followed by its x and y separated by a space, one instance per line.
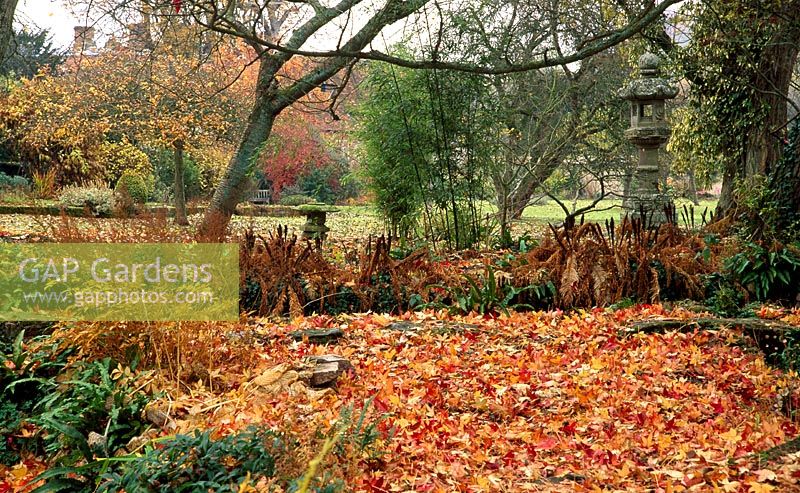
pixel 724 65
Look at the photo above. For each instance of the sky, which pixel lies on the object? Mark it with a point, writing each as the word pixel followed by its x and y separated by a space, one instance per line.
pixel 53 16
pixel 57 18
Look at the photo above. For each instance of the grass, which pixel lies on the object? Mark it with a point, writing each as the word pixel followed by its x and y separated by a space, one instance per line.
pixel 550 212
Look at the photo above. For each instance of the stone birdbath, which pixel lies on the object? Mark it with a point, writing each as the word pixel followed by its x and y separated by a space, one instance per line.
pixel 315 220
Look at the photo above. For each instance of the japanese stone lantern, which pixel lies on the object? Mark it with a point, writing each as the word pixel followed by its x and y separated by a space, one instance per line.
pixel 649 130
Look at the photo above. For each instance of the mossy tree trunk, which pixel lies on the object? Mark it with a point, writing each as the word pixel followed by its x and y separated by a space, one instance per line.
pixel 236 178
pixel 785 181
pixel 770 80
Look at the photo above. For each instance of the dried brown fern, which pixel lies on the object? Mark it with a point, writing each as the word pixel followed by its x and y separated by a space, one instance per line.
pixel 594 265
pixel 183 351
pixel 378 271
pixel 286 270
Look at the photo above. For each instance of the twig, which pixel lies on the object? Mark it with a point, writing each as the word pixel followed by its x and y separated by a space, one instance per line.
pixel 658 326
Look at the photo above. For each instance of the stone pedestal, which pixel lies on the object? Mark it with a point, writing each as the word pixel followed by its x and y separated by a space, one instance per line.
pixel 647 196
pixel 316 214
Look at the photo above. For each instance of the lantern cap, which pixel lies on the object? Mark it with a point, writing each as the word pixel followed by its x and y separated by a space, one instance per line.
pixel 649 64
pixel 649 85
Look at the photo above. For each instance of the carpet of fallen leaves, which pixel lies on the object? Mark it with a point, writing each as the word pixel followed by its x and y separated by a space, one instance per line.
pixel 529 402
pixel 350 224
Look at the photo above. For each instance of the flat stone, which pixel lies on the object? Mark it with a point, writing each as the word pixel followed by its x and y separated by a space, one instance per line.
pixel 96 441
pixel 317 336
pixel 327 369
pixel 324 374
pixel 403 326
pixel 343 363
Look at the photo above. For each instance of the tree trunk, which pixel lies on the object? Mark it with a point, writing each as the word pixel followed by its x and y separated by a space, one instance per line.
pixel 505 231
pixel 765 146
pixel 693 187
pixel 7 9
pixel 575 197
pixel 785 181
pixel 500 184
pixel 271 99
pixel 179 189
pixel 784 173
pixel 520 197
pixel 237 175
pixel 725 203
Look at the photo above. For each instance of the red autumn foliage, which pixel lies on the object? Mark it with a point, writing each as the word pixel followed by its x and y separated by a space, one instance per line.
pixel 294 148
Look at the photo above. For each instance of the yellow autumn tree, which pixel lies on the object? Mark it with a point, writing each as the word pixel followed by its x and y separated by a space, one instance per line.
pixel 48 124
pixel 87 120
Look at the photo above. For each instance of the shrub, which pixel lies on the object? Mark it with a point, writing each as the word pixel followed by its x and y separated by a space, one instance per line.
pixel 44 183
pixel 766 273
pixel 13 189
pixel 120 158
pixel 789 357
pixel 199 463
pixel 97 197
pixel 329 184
pixel 97 397
pixel 27 372
pixel 490 295
pixel 256 455
pixel 462 230
pixel 296 199
pixel 319 184
pixel 211 164
pixel 135 186
pixel 13 183
pixel 55 133
pixel 66 404
pixel 723 297
pixel 74 165
pixel 10 421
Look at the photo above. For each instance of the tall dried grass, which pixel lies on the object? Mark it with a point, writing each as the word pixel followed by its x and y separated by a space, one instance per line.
pixel 182 351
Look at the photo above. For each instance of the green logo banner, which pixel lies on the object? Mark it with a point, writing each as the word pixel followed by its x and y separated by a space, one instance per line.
pixel 119 281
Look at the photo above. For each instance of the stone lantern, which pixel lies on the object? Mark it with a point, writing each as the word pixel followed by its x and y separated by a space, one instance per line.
pixel 649 130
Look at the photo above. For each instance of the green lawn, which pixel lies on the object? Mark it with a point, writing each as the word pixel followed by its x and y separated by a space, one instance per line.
pixel 550 212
